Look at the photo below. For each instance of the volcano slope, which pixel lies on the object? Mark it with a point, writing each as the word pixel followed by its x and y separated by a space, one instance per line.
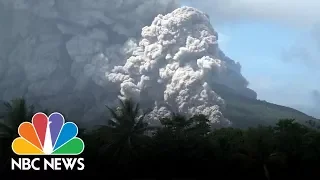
pixel 248 112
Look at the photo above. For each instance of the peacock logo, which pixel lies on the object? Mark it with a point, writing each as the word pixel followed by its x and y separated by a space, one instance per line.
pixel 48 136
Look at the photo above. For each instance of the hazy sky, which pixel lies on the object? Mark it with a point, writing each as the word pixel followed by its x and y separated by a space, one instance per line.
pixel 277 43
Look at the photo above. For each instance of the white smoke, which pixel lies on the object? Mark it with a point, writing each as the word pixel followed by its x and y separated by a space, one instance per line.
pixel 172 65
pixel 78 55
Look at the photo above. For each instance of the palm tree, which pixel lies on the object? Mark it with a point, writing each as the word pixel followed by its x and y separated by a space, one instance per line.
pixel 15 112
pixel 126 126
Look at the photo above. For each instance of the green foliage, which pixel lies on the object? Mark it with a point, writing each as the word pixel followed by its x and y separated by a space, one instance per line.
pixel 123 131
pixel 285 149
pixel 15 112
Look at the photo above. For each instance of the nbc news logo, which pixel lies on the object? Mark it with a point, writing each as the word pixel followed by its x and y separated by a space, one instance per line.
pixel 47 136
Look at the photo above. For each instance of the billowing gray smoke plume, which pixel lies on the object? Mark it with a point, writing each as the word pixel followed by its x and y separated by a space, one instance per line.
pixel 79 55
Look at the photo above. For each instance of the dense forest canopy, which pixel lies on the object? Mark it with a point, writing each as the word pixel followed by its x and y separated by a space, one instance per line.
pixel 181 147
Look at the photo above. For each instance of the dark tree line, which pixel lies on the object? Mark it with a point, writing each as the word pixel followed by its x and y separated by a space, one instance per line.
pixel 128 146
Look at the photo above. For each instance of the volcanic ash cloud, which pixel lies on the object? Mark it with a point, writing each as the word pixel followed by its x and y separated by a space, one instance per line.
pixel 173 66
pixel 76 56
pixel 55 53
